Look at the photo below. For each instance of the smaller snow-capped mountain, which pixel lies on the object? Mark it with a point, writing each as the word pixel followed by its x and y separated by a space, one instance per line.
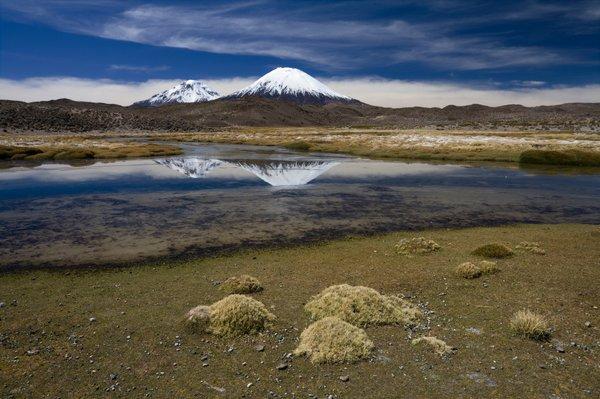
pixel 189 91
pixel 192 167
pixel 293 85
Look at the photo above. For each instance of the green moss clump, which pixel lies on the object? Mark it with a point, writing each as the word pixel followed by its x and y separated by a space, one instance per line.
pixel 74 154
pixel 298 146
pixel 11 152
pixel 495 251
pixel 567 157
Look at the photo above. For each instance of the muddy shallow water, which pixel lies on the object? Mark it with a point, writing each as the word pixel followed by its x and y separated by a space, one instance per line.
pixel 226 196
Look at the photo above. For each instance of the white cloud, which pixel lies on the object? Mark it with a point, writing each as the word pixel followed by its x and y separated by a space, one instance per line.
pixel 375 91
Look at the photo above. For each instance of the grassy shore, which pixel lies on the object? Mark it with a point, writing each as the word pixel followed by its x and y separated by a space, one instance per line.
pixel 537 147
pixel 119 332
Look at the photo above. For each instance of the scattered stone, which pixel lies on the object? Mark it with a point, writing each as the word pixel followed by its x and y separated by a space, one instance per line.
pixel 204 364
pixel 282 366
pixel 248 385
pixel 345 378
pixel 473 330
pixel 2 304
pixel 113 376
pixel 259 348
pixel 92 319
pixel 204 357
pixel 482 379
pixel 32 352
pixel 588 323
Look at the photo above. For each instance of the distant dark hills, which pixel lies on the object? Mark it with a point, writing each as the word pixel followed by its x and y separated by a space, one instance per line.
pixel 249 110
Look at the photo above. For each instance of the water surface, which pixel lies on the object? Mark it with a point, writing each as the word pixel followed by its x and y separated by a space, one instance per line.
pixel 226 196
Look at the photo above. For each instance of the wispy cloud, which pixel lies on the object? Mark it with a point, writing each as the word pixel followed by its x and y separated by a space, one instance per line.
pixel 263 28
pixel 138 68
pixel 376 91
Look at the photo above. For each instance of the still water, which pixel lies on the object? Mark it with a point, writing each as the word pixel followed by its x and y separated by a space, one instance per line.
pixel 227 196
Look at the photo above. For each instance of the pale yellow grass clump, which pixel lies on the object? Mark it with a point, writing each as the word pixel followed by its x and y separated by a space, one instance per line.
pixel 243 284
pixel 362 306
pixel 440 347
pixel 468 270
pixel 472 270
pixel 530 324
pixel 231 316
pixel 332 340
pixel 533 247
pixel 416 246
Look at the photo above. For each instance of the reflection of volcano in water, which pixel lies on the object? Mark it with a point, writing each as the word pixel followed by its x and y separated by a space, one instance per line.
pixel 285 173
pixel 192 167
pixel 276 173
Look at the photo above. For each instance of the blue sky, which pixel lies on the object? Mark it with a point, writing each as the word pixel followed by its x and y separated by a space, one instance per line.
pixel 519 46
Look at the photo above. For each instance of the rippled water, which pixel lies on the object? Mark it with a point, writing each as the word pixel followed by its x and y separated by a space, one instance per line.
pixel 219 196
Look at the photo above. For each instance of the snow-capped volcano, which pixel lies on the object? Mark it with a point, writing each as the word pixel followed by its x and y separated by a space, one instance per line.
pixel 192 167
pixel 293 85
pixel 285 173
pixel 189 91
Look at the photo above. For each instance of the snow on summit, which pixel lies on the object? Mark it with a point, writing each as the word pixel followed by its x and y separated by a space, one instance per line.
pixel 189 91
pixel 294 85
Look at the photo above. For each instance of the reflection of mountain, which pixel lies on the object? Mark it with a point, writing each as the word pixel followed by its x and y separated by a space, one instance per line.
pixel 192 167
pixel 285 173
pixel 276 173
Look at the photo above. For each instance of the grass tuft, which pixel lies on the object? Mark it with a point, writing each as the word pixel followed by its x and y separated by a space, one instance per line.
pixel 231 316
pixel 494 251
pixel 416 246
pixel 468 270
pixel 362 306
pixel 243 284
pixel 332 340
pixel 533 247
pixel 440 347
pixel 531 325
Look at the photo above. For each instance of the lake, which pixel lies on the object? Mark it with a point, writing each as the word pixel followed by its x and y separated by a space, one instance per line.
pixel 222 197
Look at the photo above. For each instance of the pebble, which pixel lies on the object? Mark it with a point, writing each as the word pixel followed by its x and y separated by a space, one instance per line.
pixel 259 348
pixel 2 304
pixel 345 378
pixel 92 319
pixel 588 324
pixel 282 366
pixel 204 364
pixel 249 385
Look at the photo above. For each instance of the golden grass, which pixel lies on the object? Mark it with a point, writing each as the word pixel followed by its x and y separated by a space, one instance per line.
pixel 533 247
pixel 530 324
pixel 332 340
pixel 362 306
pixel 231 316
pixel 440 347
pixel 243 284
pixel 416 246
pixel 468 270
pixel 494 251
pixel 471 270
pixel 561 157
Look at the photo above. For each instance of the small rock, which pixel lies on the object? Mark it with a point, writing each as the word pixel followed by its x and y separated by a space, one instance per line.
pixel 588 323
pixel 345 378
pixel 204 357
pixel 92 319
pixel 204 364
pixel 259 348
pixel 249 385
pixel 2 304
pixel 282 366
pixel 473 330
pixel 113 376
pixel 32 352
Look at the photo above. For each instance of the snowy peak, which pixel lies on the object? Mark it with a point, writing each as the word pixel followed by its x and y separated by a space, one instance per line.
pixel 285 173
pixel 189 91
pixel 192 167
pixel 294 85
